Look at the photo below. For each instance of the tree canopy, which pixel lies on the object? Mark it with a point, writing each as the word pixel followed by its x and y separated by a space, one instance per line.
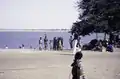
pixel 97 16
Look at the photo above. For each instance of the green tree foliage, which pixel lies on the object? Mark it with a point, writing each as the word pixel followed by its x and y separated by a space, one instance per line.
pixel 98 16
pixel 82 28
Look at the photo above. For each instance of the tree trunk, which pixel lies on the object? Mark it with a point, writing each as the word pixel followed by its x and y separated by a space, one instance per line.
pixel 111 38
pixel 105 36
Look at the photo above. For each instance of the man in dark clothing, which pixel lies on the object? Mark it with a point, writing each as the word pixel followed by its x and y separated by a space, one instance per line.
pixel 54 43
pixel 57 45
pixel 45 42
pixel 75 36
pixel 23 46
pixel 71 42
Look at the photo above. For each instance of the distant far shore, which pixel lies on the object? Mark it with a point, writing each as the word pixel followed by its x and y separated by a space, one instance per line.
pixel 34 30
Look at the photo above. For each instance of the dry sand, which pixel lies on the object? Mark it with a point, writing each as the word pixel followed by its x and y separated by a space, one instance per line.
pixel 30 64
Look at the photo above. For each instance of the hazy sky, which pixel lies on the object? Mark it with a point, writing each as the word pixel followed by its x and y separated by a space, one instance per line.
pixel 37 14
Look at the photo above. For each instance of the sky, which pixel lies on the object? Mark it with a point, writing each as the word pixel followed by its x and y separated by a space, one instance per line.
pixel 37 14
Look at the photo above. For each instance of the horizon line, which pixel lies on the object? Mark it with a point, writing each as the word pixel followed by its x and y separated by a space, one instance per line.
pixel 36 30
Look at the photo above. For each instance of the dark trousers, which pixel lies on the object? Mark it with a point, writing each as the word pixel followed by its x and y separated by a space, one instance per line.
pixel 71 46
pixel 75 77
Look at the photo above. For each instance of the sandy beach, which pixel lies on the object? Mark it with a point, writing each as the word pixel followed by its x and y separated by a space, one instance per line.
pixel 30 64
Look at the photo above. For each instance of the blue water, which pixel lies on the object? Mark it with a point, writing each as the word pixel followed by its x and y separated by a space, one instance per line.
pixel 14 39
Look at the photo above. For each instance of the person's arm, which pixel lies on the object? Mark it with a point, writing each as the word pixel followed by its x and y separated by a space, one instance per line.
pixel 69 40
pixel 82 72
pixel 74 63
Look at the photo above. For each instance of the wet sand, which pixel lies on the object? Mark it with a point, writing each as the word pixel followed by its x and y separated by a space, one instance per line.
pixel 30 64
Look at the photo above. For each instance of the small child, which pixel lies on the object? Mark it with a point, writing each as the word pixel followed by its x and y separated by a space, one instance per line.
pixel 77 70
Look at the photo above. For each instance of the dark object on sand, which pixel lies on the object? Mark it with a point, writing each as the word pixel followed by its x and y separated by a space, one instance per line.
pixel 104 43
pixel 109 48
pixel 98 46
pixel 90 45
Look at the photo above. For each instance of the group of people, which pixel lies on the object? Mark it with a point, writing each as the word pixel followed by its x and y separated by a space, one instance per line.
pixel 55 44
pixel 100 44
pixel 97 45
pixel 45 43
pixel 58 43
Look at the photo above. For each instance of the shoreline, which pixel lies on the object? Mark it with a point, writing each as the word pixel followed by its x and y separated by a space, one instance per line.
pixel 34 30
pixel 116 50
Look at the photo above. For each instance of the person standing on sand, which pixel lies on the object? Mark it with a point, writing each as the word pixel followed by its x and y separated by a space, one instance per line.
pixel 23 46
pixel 62 41
pixel 71 42
pixel 54 43
pixel 40 43
pixel 45 42
pixel 76 40
pixel 50 43
pixel 60 45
